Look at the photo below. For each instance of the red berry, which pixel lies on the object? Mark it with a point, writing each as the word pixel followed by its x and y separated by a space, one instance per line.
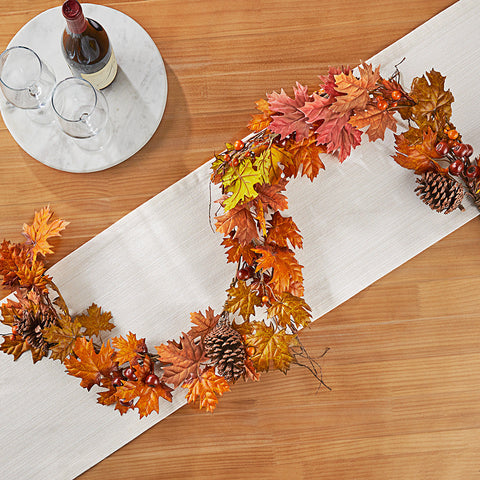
pixel 238 145
pixel 396 95
pixel 227 157
pixel 452 134
pixel 243 274
pixel 129 373
pixel 394 104
pixel 152 380
pixel 235 162
pixel 250 351
pixel 382 104
pixel 460 150
pixel 117 382
pixel 456 168
pixel 469 150
pixel 442 148
pixel 265 299
pixel 472 172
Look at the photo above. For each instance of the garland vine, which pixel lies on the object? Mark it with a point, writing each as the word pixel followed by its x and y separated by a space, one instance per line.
pixel 287 136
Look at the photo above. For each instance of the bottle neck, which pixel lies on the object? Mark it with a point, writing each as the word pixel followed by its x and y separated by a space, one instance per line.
pixel 72 11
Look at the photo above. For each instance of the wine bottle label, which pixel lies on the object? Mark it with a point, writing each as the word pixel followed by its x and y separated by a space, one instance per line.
pixel 104 77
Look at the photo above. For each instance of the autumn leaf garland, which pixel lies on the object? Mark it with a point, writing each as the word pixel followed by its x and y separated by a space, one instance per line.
pixel 288 136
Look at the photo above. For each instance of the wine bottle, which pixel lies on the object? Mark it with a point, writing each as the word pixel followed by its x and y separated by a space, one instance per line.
pixel 86 47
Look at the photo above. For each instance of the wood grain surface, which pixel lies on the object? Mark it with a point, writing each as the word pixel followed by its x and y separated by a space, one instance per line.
pixel 404 358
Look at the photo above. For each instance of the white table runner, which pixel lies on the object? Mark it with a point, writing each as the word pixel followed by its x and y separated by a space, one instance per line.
pixel 360 220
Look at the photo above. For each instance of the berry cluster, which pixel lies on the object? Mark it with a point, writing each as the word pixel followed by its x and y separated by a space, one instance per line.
pixel 259 280
pixel 384 103
pixel 458 154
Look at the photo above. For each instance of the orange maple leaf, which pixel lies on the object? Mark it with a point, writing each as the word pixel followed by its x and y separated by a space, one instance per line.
pixel 89 365
pixel 307 155
pixel 261 120
pixel 62 337
pixel 184 359
pixel 240 221
pixel 203 324
pixel 206 388
pixel 41 230
pixel 242 298
pixel 33 275
pixel 271 196
pixel 128 349
pixel 421 157
pixel 12 258
pixel 283 230
pixel 356 90
pixel 376 120
pixel 286 269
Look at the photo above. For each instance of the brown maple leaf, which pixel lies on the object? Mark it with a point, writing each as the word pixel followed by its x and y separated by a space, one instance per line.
pixel 271 196
pixel 129 349
pixel 33 275
pixel 89 365
pixel 41 230
pixel 421 157
pixel 203 324
pixel 240 221
pixel 12 258
pixel 183 359
pixel 236 251
pixel 62 337
pixel 376 120
pixel 206 388
pixel 271 347
pixel 15 345
pixel 95 321
pixel 283 230
pixel 356 90
pixel 242 298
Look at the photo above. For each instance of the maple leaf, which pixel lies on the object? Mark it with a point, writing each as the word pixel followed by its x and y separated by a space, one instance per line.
pixel 239 220
pixel 433 104
pixel 206 388
pixel 260 121
pixel 243 299
pixel 10 310
pixel 62 337
pixel 283 230
pixel 333 129
pixel 292 119
pixel 33 275
pixel 41 230
pixel 129 349
pixel 421 157
pixel 203 324
pixel 183 359
pixel 95 321
pixel 271 347
pixel 306 154
pixel 376 120
pixel 149 398
pixel 14 345
pixel 260 216
pixel 356 90
pixel 250 372
pixel 89 365
pixel 12 258
pixel 269 161
pixel 327 82
pixel 237 251
pixel 290 308
pixel 271 196
pixel 240 182
pixel 286 269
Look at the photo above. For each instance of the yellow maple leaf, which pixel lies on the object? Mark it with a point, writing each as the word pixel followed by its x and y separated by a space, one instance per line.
pixel 290 308
pixel 41 230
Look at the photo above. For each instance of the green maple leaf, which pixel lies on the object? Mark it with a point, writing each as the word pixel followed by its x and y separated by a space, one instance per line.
pixel 242 298
pixel 240 182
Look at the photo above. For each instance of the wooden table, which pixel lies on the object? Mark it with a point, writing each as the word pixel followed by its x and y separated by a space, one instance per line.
pixel 404 353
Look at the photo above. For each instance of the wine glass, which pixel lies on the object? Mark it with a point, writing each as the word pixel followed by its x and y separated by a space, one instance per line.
pixel 27 82
pixel 82 113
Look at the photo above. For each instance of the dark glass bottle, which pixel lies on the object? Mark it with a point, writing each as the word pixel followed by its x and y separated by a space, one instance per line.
pixel 86 47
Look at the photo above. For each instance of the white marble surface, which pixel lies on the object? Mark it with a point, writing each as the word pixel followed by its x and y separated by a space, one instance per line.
pixel 136 98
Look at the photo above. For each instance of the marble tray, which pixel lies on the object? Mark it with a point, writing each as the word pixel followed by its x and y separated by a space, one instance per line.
pixel 136 98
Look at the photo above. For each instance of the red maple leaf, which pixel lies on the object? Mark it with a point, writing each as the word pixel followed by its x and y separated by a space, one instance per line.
pixel 291 118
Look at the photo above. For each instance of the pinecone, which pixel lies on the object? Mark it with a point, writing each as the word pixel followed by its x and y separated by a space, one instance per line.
pixel 440 193
pixel 30 326
pixel 224 346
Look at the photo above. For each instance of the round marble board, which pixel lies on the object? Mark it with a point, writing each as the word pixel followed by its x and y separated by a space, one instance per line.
pixel 136 98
